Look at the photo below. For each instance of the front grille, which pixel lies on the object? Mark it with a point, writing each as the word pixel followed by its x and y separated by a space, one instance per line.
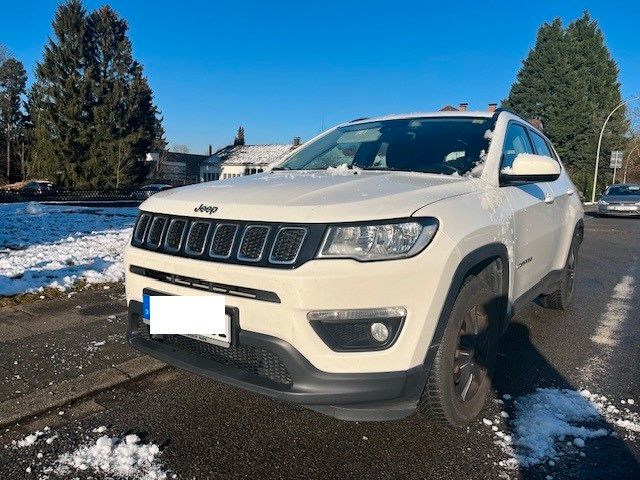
pixel 248 358
pixel 261 244
pixel 173 241
pixel 287 245
pixel 222 242
pixel 253 243
pixel 155 232
pixel 141 228
pixel 197 235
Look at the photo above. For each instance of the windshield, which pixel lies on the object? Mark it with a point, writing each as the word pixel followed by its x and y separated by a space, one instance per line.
pixel 451 145
pixel 623 190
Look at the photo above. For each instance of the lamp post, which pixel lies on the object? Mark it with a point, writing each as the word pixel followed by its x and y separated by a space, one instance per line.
pixel 624 180
pixel 595 173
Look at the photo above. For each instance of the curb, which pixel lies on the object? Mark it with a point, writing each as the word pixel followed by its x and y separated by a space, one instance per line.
pixel 38 401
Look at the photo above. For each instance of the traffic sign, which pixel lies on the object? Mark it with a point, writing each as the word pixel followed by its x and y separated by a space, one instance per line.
pixel 616 159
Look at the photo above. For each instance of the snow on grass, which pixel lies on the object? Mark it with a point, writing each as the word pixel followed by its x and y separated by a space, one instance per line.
pixel 52 246
pixel 551 423
pixel 126 458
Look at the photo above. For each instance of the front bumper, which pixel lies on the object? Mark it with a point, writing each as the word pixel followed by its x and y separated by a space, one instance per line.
pixel 268 365
pixel 609 210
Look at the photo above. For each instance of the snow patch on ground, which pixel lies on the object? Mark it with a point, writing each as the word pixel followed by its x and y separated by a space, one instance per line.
pixel 551 423
pixel 125 457
pixel 52 246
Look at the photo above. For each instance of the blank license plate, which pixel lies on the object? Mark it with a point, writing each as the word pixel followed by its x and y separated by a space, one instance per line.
pixel 202 318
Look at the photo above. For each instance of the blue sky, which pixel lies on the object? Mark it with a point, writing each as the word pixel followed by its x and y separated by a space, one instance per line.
pixel 290 68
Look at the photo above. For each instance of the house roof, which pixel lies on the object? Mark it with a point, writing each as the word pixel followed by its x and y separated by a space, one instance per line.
pixel 249 154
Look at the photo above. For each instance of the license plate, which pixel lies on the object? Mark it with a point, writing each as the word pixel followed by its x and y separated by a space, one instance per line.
pixel 624 208
pixel 202 318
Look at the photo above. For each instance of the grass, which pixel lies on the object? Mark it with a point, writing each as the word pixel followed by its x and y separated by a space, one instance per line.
pixel 49 293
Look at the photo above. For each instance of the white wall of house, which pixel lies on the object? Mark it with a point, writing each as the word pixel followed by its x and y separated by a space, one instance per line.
pixel 210 173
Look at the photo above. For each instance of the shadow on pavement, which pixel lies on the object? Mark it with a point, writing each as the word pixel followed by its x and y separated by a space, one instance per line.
pixel 520 370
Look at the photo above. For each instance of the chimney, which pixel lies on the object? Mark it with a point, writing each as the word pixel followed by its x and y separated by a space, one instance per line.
pixel 463 106
pixel 492 107
pixel 210 150
pixel 296 142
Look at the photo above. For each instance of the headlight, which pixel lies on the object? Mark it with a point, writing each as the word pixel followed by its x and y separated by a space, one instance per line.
pixel 602 202
pixel 378 241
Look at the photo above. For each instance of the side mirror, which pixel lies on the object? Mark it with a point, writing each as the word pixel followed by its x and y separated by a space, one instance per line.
pixel 530 168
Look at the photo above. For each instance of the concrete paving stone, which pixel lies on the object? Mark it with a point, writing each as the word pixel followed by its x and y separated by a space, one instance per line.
pixel 10 331
pixel 64 354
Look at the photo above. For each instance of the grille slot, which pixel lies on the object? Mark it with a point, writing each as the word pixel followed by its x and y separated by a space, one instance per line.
pixel 197 236
pixel 248 358
pixel 175 233
pixel 141 229
pixel 287 245
pixel 155 231
pixel 253 243
pixel 223 238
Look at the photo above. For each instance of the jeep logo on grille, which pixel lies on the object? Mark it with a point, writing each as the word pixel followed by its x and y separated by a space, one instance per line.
pixel 210 209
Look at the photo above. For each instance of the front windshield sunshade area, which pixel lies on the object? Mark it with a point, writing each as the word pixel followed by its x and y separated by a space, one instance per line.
pixel 430 145
pixel 623 190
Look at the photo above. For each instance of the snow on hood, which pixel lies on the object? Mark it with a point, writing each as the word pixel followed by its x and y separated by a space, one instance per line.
pixel 311 196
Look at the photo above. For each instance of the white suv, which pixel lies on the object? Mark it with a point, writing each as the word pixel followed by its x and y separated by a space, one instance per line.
pixel 373 271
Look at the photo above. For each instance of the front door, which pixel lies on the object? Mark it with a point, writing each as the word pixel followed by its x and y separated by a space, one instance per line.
pixel 534 232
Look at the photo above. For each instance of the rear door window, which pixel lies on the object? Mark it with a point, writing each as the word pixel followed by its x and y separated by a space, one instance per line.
pixel 542 148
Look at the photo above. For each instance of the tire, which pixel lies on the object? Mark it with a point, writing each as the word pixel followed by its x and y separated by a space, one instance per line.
pixel 561 298
pixel 460 376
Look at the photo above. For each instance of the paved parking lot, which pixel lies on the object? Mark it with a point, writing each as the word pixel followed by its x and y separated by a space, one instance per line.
pixel 208 430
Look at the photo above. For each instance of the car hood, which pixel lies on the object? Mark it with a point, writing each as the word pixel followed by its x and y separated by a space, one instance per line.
pixel 311 196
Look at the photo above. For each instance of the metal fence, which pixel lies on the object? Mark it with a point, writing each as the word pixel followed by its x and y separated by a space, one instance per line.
pixel 77 197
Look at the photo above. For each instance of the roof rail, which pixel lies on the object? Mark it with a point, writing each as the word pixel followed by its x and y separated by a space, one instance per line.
pixel 359 119
pixel 508 110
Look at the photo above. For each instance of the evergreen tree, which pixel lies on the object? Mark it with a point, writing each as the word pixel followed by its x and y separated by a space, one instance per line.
pixel 12 88
pixel 91 107
pixel 62 97
pixel 592 62
pixel 239 140
pixel 555 84
pixel 125 119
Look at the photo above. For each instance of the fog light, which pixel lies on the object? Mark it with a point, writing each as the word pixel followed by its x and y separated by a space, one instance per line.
pixel 358 329
pixel 379 331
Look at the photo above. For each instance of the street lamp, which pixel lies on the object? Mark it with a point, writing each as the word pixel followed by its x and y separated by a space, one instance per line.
pixel 624 180
pixel 595 173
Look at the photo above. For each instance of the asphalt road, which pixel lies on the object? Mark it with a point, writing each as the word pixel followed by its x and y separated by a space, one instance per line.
pixel 208 430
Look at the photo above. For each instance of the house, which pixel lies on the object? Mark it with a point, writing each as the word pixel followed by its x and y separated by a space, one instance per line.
pixel 174 168
pixel 463 107
pixel 237 160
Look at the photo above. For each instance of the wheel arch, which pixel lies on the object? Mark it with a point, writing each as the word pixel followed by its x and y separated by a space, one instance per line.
pixel 474 263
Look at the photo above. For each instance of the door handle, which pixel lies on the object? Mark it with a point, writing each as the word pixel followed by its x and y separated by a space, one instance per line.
pixel 549 199
pixel 571 191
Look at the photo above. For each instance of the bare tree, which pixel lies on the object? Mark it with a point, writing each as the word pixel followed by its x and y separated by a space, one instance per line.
pixel 179 148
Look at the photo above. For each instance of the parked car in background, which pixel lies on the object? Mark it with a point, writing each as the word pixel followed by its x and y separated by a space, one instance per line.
pixel 37 187
pixel 148 190
pixel 621 199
